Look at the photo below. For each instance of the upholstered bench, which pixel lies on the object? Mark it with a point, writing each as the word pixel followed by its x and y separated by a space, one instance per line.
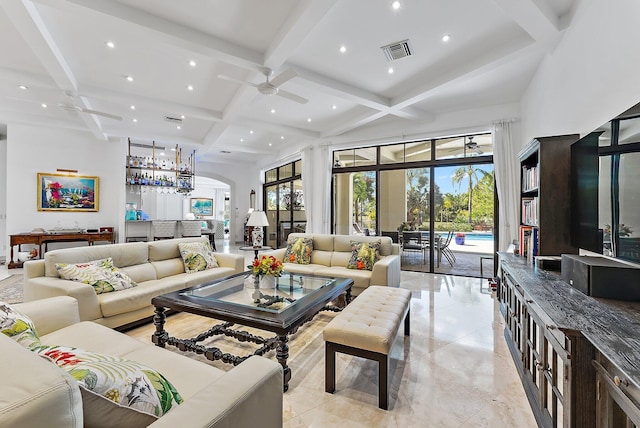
pixel 367 328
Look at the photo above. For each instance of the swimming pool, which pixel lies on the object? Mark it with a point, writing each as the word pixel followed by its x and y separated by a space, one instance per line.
pixel 479 236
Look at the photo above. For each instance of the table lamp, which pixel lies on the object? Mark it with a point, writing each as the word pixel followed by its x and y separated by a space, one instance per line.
pixel 257 220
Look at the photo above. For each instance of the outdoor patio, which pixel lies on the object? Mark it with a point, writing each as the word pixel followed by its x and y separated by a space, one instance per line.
pixel 467 260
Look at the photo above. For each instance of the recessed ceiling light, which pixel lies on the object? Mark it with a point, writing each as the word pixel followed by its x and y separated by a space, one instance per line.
pixel 132 107
pixel 251 131
pixel 110 44
pixel 242 140
pixel 129 78
pixel 182 116
pixel 23 87
pixel 446 38
pixel 343 49
pixel 189 87
pixel 134 120
pixel 270 144
pixel 161 153
pixel 390 70
pixel 43 105
pixel 282 137
pixel 178 127
pixel 334 106
pixel 308 119
pixel 192 63
pixel 395 5
pixel 273 110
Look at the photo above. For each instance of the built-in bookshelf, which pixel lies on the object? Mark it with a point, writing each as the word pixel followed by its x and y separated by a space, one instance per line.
pixel 545 196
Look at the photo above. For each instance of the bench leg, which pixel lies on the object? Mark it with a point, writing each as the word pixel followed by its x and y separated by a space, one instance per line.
pixel 329 368
pixel 383 387
pixel 407 324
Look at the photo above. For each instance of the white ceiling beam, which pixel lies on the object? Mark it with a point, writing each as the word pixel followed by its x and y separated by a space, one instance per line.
pixel 481 64
pixel 276 128
pixel 171 32
pixel 303 19
pixel 160 139
pixel 533 16
pixel 28 22
pixel 354 123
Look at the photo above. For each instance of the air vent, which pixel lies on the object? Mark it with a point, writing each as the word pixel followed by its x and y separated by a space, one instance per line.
pixel 173 119
pixel 397 50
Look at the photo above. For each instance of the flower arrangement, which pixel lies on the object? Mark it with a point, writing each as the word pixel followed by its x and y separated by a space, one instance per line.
pixel 267 265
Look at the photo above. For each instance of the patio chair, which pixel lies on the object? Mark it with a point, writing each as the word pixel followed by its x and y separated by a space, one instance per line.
pixel 412 241
pixel 395 236
pixel 356 228
pixel 444 248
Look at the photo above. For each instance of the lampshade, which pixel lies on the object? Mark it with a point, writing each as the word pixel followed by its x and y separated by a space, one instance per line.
pixel 258 218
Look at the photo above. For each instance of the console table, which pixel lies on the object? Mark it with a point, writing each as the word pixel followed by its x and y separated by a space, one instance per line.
pixel 44 238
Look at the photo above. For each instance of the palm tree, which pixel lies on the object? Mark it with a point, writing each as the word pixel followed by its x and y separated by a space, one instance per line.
pixel 362 193
pixel 471 173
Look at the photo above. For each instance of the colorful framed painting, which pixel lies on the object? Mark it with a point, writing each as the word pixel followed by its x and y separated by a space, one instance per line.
pixel 63 192
pixel 202 206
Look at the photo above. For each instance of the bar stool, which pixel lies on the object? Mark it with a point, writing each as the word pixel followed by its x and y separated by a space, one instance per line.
pixel 163 229
pixel 191 228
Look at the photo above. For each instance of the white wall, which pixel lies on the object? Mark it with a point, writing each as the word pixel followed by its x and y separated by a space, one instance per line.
pixel 591 77
pixel 37 149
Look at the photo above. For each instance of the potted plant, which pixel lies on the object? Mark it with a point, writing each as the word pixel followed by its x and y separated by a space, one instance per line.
pixel 266 270
pixel 460 238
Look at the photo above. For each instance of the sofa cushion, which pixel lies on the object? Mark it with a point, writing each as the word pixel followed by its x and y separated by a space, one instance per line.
pixel 169 267
pixel 298 251
pixel 342 243
pixel 197 256
pixel 129 254
pixel 34 392
pixel 138 297
pixel 364 255
pixel 102 275
pixel 309 269
pixel 361 278
pixel 17 326
pixel 141 273
pixel 116 383
pixel 168 248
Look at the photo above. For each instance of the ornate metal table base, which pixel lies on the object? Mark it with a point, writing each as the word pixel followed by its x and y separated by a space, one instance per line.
pixel 280 342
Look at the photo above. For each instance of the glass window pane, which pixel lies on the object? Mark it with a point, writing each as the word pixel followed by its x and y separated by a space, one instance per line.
pixel 605 138
pixel 365 157
pixel 391 199
pixel 629 227
pixel 417 151
pixel 343 158
pixel 484 145
pixel 449 148
pixel 629 131
pixel 297 168
pixel 286 171
pixel 604 204
pixel 271 175
pixel 392 154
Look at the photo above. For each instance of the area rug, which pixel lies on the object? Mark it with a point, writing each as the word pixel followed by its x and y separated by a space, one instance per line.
pixel 11 289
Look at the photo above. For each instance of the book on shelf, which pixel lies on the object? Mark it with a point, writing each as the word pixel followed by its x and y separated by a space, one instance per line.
pixel 529 242
pixel 529 178
pixel 530 211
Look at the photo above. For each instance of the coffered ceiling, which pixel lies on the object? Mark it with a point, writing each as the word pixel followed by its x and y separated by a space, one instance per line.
pixel 60 50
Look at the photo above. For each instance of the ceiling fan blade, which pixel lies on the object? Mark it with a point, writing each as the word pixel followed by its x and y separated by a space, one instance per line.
pixel 292 97
pixel 233 79
pixel 100 113
pixel 283 77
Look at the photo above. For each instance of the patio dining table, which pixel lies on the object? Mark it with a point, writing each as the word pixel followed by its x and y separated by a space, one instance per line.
pixel 424 240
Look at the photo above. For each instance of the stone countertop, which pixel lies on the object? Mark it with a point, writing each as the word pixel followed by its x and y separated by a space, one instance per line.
pixel 612 327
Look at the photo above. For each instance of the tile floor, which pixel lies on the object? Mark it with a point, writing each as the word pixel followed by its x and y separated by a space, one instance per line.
pixel 454 370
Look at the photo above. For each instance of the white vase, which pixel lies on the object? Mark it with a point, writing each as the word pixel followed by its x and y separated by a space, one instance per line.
pixel 268 281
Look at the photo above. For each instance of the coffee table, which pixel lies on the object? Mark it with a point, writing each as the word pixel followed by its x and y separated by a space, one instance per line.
pixel 236 300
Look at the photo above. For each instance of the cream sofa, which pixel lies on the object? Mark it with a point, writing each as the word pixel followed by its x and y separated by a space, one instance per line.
pixel 36 393
pixel 156 266
pixel 331 254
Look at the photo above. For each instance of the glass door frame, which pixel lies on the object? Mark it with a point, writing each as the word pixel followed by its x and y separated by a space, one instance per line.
pixel 289 180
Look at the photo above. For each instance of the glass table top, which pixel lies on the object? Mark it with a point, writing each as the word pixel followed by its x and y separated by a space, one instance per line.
pixel 242 290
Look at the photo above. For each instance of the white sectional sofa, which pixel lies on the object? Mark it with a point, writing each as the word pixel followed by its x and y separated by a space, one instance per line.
pixel 331 254
pixel 37 393
pixel 156 266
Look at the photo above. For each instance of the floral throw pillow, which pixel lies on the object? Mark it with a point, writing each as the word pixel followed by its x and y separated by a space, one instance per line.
pixel 123 382
pixel 364 255
pixel 102 275
pixel 17 326
pixel 197 256
pixel 299 251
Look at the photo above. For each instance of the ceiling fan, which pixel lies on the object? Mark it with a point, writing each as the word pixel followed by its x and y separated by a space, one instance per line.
pixel 68 104
pixel 473 146
pixel 271 86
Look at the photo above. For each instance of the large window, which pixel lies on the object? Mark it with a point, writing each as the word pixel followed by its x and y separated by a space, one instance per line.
pixel 284 203
pixel 440 188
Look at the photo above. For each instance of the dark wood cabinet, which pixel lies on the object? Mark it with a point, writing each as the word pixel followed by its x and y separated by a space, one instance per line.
pixel 545 192
pixel 618 399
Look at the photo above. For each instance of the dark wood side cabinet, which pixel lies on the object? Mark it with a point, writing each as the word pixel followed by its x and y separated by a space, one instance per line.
pixel 578 357
pixel 545 165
